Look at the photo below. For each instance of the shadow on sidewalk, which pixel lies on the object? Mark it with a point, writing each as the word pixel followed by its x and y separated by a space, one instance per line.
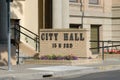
pixel 3 68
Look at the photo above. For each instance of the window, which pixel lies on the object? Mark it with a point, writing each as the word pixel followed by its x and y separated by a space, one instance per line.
pixel 94 2
pixel 75 26
pixel 73 0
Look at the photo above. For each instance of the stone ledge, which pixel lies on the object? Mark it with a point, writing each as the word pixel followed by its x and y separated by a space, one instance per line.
pixel 110 56
pixel 63 62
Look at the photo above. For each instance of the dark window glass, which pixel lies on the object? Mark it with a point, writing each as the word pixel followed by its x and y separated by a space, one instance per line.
pixel 73 0
pixel 93 1
pixel 75 26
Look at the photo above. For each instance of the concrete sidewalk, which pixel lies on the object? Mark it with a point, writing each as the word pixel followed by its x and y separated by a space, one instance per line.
pixel 27 72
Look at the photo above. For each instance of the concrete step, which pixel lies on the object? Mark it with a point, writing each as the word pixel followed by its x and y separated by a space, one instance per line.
pixel 27 50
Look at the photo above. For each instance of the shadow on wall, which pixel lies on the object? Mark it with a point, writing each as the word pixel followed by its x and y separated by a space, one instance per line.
pixel 2 52
pixel 16 5
pixel 3 62
pixel 13 15
pixel 4 55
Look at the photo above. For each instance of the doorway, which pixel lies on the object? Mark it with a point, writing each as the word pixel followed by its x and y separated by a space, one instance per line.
pixel 48 14
pixel 95 38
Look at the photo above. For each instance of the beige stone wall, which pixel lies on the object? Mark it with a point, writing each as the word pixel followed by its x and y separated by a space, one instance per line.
pixel 4 55
pixel 115 2
pixel 99 10
pixel 27 12
pixel 94 14
pixel 31 15
pixel 115 20
pixel 101 14
pixel 31 21
pixel 107 6
pixel 79 48
pixel 17 10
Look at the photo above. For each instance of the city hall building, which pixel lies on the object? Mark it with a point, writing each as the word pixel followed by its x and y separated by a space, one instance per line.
pixel 63 26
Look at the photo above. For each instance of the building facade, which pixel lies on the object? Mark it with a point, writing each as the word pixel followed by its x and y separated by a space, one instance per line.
pixel 99 17
pixel 115 20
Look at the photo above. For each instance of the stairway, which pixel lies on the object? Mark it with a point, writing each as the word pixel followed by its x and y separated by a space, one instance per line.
pixel 23 49
pixel 26 50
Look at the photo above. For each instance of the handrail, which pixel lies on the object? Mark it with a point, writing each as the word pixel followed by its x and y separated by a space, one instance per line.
pixel 109 41
pixel 104 41
pixel 26 35
pixel 28 30
pixel 36 38
pixel 104 46
pixel 17 28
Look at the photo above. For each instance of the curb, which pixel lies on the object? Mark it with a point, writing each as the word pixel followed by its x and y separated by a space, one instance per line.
pixel 74 72
pixel 108 67
pixel 45 74
pixel 28 76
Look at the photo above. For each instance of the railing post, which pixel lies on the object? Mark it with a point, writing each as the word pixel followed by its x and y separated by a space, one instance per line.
pixel 108 46
pixel 18 54
pixel 103 50
pixel 112 45
pixel 15 31
pixel 36 43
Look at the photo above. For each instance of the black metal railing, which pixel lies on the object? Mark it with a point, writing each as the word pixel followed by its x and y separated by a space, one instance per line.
pixel 18 30
pixel 104 44
pixel 35 39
